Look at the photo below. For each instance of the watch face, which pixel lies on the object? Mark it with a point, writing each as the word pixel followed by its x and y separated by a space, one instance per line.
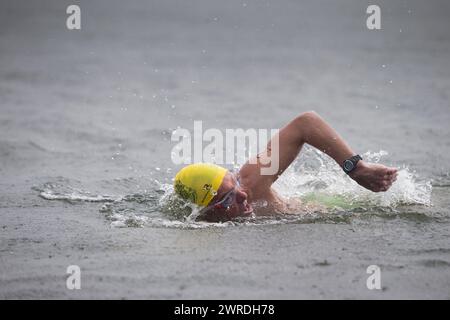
pixel 348 165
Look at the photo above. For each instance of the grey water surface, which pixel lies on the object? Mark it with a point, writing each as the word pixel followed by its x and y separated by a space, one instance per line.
pixel 85 153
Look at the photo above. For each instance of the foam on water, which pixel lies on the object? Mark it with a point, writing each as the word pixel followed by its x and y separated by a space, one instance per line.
pixel 62 190
pixel 315 175
pixel 313 178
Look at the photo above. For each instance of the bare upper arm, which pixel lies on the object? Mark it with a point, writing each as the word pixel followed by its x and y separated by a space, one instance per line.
pixel 289 145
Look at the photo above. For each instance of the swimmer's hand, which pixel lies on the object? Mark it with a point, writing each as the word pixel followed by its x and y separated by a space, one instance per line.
pixel 374 177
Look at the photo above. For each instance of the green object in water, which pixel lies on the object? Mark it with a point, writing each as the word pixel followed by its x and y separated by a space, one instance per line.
pixel 330 201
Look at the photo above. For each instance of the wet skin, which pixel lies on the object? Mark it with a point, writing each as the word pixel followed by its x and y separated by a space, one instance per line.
pixel 240 206
pixel 307 128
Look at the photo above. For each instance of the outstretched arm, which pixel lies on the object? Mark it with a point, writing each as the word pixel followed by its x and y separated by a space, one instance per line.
pixel 310 128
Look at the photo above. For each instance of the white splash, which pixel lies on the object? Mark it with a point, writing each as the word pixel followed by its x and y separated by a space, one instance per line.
pixel 313 176
pixel 316 173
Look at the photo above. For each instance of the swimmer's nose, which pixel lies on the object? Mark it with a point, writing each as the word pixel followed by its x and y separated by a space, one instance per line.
pixel 241 196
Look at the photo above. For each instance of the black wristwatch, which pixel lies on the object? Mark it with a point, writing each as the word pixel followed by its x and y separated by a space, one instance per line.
pixel 350 164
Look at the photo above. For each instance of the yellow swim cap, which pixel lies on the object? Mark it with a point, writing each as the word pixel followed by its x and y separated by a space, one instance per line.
pixel 199 182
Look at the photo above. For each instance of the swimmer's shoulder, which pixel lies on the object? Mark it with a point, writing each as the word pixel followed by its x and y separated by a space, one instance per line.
pixel 251 179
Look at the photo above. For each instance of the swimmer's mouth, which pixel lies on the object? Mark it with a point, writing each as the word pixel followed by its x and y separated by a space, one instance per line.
pixel 246 208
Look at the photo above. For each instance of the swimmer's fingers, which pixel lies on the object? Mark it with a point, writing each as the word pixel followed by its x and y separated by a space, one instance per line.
pixel 392 171
pixel 390 177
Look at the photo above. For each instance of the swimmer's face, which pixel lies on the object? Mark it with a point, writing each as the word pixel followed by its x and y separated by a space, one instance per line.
pixel 230 201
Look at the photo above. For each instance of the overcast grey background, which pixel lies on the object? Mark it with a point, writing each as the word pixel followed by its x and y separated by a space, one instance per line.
pixel 95 107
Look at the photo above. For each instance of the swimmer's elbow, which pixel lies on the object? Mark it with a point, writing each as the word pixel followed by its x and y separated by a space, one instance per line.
pixel 308 116
pixel 305 120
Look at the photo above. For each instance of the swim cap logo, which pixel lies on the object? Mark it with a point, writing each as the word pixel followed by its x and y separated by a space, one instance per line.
pixel 207 187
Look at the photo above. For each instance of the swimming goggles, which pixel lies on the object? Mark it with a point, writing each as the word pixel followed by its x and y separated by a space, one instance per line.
pixel 226 202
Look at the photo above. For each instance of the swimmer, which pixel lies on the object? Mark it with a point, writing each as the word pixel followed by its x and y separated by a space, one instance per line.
pixel 224 195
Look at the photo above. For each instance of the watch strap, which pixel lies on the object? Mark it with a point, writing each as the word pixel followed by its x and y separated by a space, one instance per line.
pixel 354 160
